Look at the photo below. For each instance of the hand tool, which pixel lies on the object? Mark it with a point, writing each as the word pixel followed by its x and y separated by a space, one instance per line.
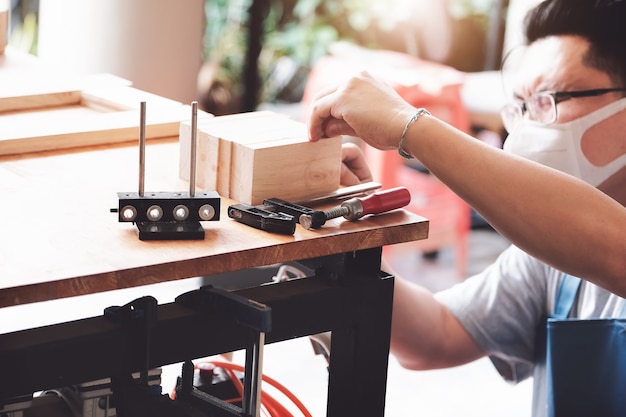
pixel 280 216
pixel 355 208
pixel 274 215
pixel 343 193
pixel 264 219
pixel 282 206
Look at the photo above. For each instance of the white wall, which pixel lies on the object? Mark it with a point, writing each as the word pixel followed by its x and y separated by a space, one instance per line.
pixel 156 44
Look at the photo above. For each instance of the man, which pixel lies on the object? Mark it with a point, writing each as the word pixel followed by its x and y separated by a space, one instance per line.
pixel 570 114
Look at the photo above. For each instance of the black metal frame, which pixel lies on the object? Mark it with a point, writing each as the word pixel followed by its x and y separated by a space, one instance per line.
pixel 348 295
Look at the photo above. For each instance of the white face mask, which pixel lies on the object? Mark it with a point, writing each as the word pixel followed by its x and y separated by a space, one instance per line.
pixel 559 145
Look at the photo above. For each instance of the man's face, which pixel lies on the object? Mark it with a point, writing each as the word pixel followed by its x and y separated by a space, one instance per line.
pixel 556 64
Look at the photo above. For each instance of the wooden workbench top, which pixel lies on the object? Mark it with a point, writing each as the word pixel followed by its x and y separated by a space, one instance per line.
pixel 59 238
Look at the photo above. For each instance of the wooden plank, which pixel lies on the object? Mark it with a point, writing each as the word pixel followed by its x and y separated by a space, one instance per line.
pixel 21 92
pixel 10 102
pixel 124 98
pixel 4 29
pixel 76 127
pixel 101 116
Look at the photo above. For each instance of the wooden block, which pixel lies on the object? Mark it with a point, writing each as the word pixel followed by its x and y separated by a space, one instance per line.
pixel 245 128
pixel 216 152
pixel 261 155
pixel 291 169
pixel 206 156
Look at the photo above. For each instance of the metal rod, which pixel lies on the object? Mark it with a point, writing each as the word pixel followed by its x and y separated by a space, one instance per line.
pixel 194 139
pixel 142 147
pixel 253 375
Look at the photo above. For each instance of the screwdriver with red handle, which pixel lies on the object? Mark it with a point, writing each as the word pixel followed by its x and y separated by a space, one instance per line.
pixel 355 208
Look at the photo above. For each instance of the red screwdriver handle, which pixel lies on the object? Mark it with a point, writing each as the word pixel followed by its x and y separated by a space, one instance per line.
pixel 386 200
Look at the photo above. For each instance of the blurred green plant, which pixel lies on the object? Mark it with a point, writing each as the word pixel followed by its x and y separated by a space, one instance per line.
pixel 24 35
pixel 301 31
pixel 464 8
pixel 477 11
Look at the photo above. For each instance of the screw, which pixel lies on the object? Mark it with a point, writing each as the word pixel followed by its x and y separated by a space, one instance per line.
pixel 314 220
pixel 318 217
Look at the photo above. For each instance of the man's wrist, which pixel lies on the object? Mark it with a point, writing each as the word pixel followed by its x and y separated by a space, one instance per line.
pixel 403 153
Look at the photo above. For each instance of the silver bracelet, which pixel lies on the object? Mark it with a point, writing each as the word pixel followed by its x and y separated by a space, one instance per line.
pixel 416 116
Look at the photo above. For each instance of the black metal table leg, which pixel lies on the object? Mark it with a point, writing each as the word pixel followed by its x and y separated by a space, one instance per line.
pixel 359 353
pixel 348 296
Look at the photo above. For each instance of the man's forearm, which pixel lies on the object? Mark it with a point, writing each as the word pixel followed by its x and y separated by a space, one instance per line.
pixel 554 217
pixel 424 333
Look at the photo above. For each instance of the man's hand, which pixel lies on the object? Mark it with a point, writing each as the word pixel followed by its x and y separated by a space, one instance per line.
pixel 364 107
pixel 354 169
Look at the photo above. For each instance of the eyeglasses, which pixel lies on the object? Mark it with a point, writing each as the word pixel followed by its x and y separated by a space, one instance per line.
pixel 541 107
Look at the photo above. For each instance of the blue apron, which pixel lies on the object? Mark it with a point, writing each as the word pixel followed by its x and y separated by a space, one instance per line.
pixel 585 361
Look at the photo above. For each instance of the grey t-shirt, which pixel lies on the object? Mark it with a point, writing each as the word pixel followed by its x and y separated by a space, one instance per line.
pixel 504 306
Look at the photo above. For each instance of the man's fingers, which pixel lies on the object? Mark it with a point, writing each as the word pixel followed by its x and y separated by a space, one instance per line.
pixel 317 120
pixel 336 127
pixel 320 112
pixel 353 159
pixel 348 177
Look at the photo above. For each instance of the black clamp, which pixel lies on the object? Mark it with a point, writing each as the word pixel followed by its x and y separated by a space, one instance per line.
pixel 252 314
pixel 139 316
pixel 262 218
pixel 274 215
pixel 244 311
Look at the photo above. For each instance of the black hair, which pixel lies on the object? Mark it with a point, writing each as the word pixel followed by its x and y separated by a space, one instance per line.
pixel 601 22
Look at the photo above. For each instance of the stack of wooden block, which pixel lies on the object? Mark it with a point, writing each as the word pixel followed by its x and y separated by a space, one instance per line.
pixel 249 157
